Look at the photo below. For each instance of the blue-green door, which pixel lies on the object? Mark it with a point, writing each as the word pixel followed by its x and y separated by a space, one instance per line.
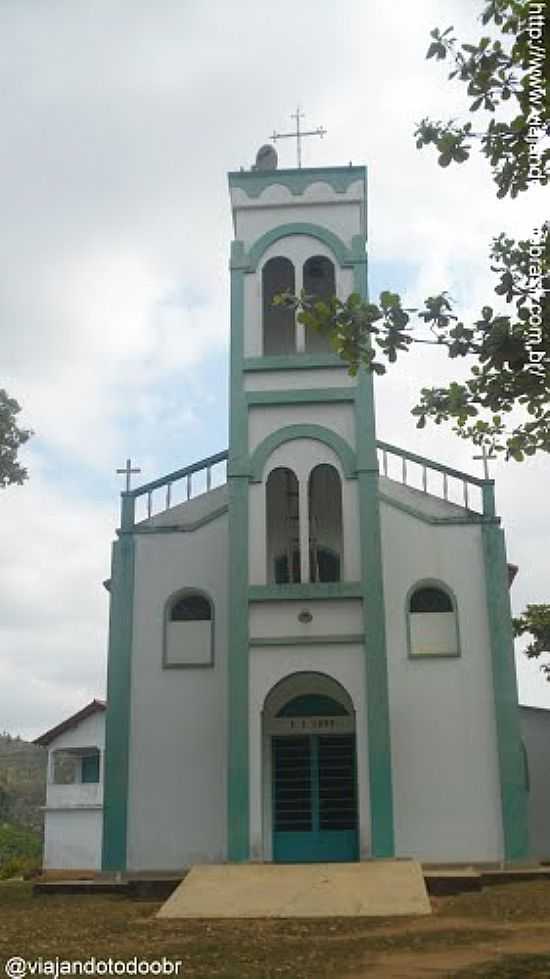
pixel 314 798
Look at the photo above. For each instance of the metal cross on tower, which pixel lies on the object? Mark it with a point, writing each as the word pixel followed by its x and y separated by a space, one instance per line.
pixel 299 134
pixel 128 472
pixel 484 458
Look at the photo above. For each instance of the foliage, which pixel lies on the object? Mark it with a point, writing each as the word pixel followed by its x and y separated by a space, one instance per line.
pixel 11 439
pixel 535 621
pixel 22 782
pixel 24 867
pixel 505 77
pixel 507 347
pixel 20 850
pixel 512 358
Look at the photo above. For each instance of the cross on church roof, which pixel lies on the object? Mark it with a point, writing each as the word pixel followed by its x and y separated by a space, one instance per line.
pixel 128 471
pixel 299 134
pixel 485 457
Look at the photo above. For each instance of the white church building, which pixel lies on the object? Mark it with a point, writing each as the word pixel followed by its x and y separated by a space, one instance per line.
pixel 310 653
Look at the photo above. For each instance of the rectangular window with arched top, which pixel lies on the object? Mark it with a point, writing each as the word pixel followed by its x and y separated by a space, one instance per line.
pixel 189 630
pixel 432 627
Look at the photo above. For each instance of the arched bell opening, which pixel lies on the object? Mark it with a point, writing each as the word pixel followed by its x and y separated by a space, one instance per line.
pixel 283 527
pixel 278 322
pixel 319 282
pixel 325 524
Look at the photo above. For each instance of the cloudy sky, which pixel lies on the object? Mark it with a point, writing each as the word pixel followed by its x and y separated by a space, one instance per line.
pixel 120 122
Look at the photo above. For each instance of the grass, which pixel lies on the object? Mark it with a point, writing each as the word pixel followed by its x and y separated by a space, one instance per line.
pixel 18 841
pixel 510 967
pixel 77 927
pixel 525 901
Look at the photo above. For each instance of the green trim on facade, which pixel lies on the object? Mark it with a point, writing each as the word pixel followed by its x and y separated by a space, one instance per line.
pixel 526 772
pixel 301 396
pixel 372 583
pixel 341 252
pixel 324 640
pixel 378 715
pixel 265 449
pixel 238 789
pixel 238 842
pixel 254 182
pixel 293 362
pixel 305 593
pixel 117 723
pixel 508 733
pixel 237 463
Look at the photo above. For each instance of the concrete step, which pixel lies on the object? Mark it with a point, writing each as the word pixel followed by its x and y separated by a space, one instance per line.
pixel 322 890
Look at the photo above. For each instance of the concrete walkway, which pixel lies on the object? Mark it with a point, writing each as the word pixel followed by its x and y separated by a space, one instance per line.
pixel 320 890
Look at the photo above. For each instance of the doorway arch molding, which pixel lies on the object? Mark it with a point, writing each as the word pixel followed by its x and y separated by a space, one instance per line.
pixel 305 682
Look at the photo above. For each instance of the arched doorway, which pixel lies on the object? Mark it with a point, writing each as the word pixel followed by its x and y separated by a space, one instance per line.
pixel 309 724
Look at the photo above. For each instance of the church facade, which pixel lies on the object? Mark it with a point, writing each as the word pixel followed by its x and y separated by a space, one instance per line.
pixel 310 652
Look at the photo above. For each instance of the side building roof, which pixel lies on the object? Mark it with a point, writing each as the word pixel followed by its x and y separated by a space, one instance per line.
pixel 92 708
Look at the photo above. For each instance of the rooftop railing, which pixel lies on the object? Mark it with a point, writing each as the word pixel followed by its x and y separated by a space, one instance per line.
pixel 159 495
pixel 451 485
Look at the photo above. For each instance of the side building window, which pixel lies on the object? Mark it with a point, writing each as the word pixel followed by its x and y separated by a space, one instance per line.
pixel 432 622
pixel 189 630
pixel 89 767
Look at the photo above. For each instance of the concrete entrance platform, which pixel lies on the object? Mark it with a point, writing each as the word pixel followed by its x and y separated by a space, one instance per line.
pixel 319 890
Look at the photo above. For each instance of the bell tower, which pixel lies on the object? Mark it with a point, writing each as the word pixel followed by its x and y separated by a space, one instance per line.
pixel 305 577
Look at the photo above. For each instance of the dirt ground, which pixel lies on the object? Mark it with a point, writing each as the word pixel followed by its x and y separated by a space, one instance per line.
pixel 500 933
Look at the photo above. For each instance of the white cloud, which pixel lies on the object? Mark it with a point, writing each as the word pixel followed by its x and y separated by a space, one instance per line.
pixel 55 554
pixel 120 122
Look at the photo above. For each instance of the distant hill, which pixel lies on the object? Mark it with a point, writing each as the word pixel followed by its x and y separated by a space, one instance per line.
pixel 22 782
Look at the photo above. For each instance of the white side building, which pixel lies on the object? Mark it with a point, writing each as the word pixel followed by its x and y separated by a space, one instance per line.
pixel 73 814
pixel 535 729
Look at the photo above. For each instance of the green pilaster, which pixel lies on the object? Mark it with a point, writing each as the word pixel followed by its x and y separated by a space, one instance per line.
pixel 238 775
pixel 511 766
pixel 378 715
pixel 117 730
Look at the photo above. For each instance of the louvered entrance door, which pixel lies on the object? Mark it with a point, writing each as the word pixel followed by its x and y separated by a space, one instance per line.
pixel 314 798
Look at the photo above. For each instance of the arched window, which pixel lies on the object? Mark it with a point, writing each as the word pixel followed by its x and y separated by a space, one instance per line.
pixel 283 527
pixel 278 322
pixel 325 524
pixel 193 607
pixel 432 622
pixel 320 282
pixel 430 599
pixel 189 630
